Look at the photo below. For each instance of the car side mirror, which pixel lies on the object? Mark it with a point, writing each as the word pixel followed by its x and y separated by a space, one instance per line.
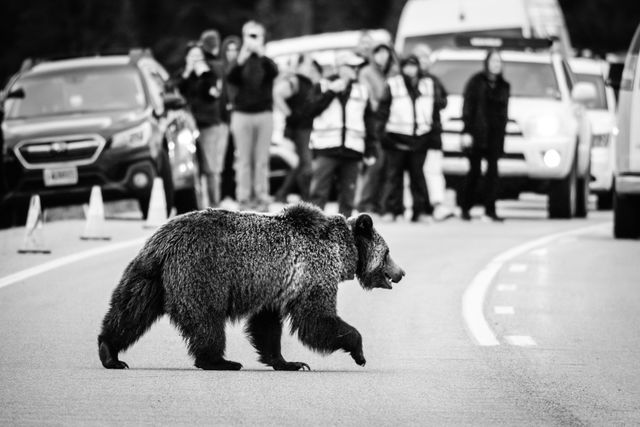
pixel 174 101
pixel 584 93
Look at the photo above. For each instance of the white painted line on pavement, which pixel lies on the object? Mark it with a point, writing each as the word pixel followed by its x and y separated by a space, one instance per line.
pixel 520 340
pixel 518 268
pixel 540 252
pixel 69 259
pixel 503 309
pixel 474 296
pixel 504 287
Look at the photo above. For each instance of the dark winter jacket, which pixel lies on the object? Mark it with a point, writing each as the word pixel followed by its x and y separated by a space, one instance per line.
pixel 203 93
pixel 254 81
pixel 301 86
pixel 485 112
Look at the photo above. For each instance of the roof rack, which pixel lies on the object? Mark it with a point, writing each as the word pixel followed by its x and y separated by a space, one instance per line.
pixel 511 43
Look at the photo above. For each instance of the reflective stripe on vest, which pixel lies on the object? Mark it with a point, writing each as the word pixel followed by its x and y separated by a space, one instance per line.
pixel 401 114
pixel 327 127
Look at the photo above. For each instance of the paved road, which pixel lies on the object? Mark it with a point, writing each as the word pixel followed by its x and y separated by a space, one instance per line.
pixel 563 315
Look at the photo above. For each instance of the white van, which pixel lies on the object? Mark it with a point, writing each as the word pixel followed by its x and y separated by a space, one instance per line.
pixel 626 201
pixel 438 22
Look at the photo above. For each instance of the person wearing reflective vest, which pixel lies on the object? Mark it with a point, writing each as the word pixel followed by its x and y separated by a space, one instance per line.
pixel 406 114
pixel 343 134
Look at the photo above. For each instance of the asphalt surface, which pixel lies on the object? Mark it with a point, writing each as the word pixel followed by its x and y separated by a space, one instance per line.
pixel 565 317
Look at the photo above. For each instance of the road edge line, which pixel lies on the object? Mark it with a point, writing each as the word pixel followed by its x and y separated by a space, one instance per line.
pixel 473 298
pixel 69 259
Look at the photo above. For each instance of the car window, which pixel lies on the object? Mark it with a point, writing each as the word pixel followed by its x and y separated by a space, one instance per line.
pixel 533 80
pixel 439 41
pixel 77 91
pixel 156 87
pixel 600 103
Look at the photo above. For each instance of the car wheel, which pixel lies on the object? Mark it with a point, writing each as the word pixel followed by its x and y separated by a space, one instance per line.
pixel 582 196
pixel 605 201
pixel 163 171
pixel 563 195
pixel 626 216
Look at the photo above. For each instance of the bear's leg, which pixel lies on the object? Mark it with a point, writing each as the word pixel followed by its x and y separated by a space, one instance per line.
pixel 265 330
pixel 206 341
pixel 328 333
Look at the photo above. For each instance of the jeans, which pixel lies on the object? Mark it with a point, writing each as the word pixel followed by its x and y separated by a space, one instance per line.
pixel 372 186
pixel 490 182
pixel 213 143
pixel 326 170
pixel 397 163
pixel 252 137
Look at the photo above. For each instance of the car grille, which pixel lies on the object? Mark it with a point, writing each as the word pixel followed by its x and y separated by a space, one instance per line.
pixel 60 151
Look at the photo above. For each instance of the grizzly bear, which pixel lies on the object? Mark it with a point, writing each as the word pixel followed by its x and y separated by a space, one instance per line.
pixel 206 267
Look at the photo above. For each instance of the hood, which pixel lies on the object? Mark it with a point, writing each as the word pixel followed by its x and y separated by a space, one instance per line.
pixel 104 124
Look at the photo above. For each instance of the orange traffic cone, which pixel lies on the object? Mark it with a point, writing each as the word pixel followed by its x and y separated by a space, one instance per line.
pixel 33 242
pixel 157 214
pixel 95 224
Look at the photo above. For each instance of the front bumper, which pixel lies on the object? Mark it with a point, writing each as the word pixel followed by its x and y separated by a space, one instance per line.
pixel 628 184
pixel 523 158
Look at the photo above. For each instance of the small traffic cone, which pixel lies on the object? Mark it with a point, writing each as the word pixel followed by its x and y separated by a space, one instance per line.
pixel 95 224
pixel 33 242
pixel 157 214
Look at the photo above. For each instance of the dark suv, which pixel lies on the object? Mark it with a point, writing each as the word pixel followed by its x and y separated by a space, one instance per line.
pixel 107 120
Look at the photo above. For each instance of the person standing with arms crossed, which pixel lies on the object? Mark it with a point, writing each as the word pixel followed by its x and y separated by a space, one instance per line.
pixel 344 133
pixel 252 118
pixel 484 113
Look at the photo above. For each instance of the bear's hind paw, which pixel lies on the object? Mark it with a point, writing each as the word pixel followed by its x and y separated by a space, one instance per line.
pixel 219 365
pixel 291 366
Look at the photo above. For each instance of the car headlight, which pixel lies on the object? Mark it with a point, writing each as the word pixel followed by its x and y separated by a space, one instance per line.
pixel 134 137
pixel 187 139
pixel 601 140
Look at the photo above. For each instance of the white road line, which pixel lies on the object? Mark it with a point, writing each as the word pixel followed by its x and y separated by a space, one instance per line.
pixel 506 287
pixel 520 340
pixel 56 263
pixel 503 309
pixel 540 252
pixel 518 268
pixel 474 296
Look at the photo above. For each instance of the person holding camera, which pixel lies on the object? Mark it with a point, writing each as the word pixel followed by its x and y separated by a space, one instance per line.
pixel 253 75
pixel 484 113
pixel 343 135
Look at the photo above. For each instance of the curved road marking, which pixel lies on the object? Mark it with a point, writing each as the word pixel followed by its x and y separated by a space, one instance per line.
pixel 69 259
pixel 474 296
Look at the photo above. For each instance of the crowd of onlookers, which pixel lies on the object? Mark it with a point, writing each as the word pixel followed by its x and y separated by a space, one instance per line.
pixel 359 129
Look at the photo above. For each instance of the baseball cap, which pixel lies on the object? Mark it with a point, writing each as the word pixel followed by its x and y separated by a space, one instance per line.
pixel 348 58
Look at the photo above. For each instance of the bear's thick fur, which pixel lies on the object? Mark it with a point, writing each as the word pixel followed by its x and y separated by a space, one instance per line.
pixel 206 267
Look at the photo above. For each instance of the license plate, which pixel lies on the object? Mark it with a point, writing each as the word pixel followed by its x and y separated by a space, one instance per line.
pixel 60 176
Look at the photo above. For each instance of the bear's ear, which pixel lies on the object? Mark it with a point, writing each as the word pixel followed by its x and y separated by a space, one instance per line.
pixel 363 226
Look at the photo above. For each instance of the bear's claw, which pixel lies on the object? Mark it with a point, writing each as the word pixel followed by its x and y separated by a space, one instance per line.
pixel 291 366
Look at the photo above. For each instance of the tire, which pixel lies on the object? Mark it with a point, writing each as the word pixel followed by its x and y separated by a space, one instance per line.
pixel 563 196
pixel 164 172
pixel 626 216
pixel 186 200
pixel 605 201
pixel 14 213
pixel 582 195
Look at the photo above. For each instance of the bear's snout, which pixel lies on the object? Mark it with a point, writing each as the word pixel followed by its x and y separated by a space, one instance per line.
pixel 394 271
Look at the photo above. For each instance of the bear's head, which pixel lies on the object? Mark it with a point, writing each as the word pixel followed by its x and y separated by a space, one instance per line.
pixel 376 268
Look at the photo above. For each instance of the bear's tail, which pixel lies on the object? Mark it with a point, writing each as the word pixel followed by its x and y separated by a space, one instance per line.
pixel 137 302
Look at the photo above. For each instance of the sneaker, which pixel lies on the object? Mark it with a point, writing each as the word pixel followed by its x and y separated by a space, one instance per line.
pixel 442 213
pixel 465 216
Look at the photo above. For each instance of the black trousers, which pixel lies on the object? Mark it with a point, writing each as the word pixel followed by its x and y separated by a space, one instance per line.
pixel 301 175
pixel 330 169
pixel 490 190
pixel 397 162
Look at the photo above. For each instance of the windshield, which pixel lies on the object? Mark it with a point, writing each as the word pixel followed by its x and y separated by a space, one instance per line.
pixel 528 80
pixel 439 41
pixel 600 103
pixel 77 91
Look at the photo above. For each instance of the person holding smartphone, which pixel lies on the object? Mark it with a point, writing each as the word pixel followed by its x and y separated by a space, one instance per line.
pixel 253 75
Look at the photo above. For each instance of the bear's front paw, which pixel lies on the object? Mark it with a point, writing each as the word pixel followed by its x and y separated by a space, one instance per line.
pixel 291 366
pixel 358 357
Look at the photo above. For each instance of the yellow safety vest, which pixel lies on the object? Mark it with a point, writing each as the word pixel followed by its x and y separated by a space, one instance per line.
pixel 405 116
pixel 327 127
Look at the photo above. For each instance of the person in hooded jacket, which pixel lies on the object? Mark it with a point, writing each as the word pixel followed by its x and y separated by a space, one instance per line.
pixel 381 66
pixel 406 112
pixel 485 114
pixel 204 74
